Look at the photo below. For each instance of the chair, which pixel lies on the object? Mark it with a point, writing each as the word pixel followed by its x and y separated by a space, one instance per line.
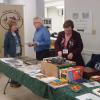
pixel 94 62
pixel 92 67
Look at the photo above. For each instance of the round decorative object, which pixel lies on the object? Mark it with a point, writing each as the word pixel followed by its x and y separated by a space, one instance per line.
pixel 10 15
pixel 75 87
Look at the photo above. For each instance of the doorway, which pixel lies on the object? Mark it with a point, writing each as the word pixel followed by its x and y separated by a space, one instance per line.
pixel 54 9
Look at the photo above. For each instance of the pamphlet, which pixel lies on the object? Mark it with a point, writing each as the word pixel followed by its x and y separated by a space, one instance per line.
pixel 88 96
pixel 92 84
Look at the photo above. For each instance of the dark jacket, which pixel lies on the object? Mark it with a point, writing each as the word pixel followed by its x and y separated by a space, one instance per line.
pixel 10 45
pixel 75 46
pixel 94 62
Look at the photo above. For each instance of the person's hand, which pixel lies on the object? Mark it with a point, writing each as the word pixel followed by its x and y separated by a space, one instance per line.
pixel 35 44
pixel 30 44
pixel 70 56
pixel 60 53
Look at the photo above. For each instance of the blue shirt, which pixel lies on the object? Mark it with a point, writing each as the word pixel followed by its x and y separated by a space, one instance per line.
pixel 17 43
pixel 42 37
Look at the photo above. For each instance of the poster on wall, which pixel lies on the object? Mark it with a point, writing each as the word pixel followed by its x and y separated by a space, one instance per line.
pixel 7 13
pixel 82 21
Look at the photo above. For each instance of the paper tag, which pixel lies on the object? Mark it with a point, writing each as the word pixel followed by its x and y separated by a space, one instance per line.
pixel 65 51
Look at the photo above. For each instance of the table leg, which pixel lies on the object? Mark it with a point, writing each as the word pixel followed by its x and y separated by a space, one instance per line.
pixel 6 86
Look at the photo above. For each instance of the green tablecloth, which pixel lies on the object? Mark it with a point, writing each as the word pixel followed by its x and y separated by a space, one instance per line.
pixel 33 84
pixel 40 88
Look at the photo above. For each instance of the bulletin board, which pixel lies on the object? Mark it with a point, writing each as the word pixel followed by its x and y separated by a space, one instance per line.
pixel 8 12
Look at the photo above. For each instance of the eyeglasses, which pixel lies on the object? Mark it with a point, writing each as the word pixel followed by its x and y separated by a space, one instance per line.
pixel 36 22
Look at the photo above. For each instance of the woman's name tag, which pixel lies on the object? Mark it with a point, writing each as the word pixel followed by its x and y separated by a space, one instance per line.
pixel 65 51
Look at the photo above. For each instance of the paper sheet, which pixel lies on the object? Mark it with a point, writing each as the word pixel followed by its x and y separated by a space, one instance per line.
pixel 92 84
pixel 88 96
pixel 48 79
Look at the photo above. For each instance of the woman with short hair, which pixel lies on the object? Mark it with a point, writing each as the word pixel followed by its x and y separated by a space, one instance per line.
pixel 69 43
pixel 12 45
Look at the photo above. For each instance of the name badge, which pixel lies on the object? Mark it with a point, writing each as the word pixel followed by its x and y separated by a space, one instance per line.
pixel 65 51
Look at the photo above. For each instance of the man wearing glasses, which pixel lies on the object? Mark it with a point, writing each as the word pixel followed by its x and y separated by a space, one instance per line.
pixel 41 40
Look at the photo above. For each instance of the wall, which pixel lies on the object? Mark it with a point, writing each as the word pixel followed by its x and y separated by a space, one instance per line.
pixel 5 1
pixel 40 8
pixel 91 40
pixel 30 11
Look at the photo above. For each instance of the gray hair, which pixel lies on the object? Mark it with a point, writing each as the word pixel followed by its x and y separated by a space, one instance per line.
pixel 38 19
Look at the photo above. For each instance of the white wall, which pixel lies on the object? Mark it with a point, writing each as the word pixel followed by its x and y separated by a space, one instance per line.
pixel 57 20
pixel 5 1
pixel 40 8
pixel 30 11
pixel 91 41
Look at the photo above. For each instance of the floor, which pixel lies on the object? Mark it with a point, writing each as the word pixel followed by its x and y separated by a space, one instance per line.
pixel 21 93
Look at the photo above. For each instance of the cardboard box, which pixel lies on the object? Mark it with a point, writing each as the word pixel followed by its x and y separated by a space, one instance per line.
pixel 50 69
